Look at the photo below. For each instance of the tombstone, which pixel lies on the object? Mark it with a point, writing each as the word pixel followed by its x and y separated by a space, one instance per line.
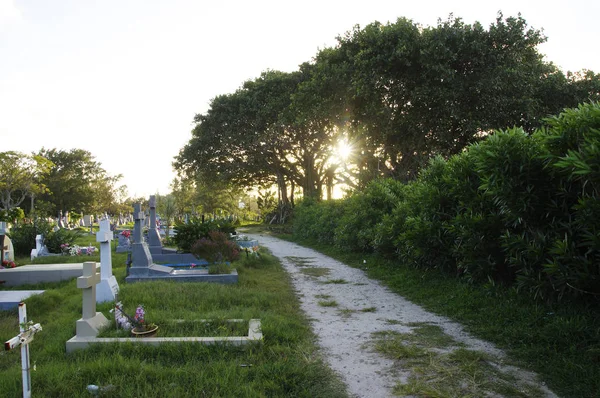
pixel 91 321
pixel 154 242
pixel 7 251
pixel 108 287
pixel 124 244
pixel 87 220
pixel 60 222
pixel 40 248
pixel 81 223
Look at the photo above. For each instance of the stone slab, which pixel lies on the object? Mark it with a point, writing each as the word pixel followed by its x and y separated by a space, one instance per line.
pixel 182 258
pixel 187 276
pixel 40 273
pixel 10 299
pixel 254 336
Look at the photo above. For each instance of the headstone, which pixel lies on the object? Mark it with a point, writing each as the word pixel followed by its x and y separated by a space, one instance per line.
pixel 108 287
pixel 81 223
pixel 40 249
pixel 87 220
pixel 6 247
pixel 154 242
pixel 124 243
pixel 61 223
pixel 91 321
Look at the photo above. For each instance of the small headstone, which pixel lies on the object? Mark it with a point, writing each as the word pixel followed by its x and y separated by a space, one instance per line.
pixel 108 287
pixel 91 321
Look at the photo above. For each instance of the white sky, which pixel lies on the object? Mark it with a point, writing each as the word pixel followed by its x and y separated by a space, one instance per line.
pixel 123 79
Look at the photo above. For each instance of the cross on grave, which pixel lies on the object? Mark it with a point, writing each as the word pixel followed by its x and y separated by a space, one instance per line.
pixel 108 287
pixel 91 321
pixel 138 215
pixel 27 330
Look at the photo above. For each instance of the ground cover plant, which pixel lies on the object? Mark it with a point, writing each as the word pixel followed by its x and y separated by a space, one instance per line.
pixel 285 364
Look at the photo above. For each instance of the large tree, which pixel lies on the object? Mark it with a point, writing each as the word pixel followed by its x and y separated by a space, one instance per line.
pixel 78 183
pixel 21 176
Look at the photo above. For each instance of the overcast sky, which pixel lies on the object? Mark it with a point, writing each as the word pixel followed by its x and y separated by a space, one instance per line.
pixel 124 79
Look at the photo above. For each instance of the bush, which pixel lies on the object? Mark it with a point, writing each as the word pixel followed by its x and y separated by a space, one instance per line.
pixel 55 239
pixel 318 220
pixel 217 248
pixel 23 235
pixel 195 229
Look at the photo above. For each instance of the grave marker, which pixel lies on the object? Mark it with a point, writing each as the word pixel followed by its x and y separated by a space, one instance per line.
pixel 91 321
pixel 108 287
pixel 27 331
pixel 154 242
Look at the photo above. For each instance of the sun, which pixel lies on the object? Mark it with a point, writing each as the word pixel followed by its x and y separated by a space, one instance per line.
pixel 343 150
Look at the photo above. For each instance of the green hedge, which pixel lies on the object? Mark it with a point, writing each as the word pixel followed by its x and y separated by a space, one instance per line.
pixel 519 209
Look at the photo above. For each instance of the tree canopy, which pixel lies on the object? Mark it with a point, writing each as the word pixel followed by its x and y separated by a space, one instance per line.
pixel 399 93
pixel 21 176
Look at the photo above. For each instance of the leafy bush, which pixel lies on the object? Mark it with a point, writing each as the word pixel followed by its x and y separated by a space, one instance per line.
pixel 55 239
pixel 195 229
pixel 217 248
pixel 318 220
pixel 23 235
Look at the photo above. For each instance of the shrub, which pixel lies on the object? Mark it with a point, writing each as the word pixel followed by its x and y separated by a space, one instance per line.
pixel 195 229
pixel 217 248
pixel 317 220
pixel 23 235
pixel 55 239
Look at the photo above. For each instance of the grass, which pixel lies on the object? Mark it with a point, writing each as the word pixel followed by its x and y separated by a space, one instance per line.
pixel 441 367
pixel 559 341
pixel 285 364
pixel 315 271
pixel 328 303
pixel 336 281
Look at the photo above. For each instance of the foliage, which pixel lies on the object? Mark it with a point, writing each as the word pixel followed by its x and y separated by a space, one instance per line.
pixel 195 229
pixel 78 183
pixel 23 235
pixel 516 209
pixel 13 215
pixel 216 248
pixel 21 176
pixel 55 239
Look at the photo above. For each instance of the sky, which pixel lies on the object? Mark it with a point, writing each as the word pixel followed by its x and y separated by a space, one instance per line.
pixel 123 79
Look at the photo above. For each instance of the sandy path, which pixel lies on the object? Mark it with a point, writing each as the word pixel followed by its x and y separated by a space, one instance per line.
pixel 344 337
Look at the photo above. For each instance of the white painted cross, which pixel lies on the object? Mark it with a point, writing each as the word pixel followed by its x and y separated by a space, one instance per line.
pixel 91 321
pixel 27 330
pixel 108 287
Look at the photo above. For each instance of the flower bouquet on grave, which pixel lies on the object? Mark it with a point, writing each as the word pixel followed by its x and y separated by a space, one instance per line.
pixel 8 264
pixel 137 324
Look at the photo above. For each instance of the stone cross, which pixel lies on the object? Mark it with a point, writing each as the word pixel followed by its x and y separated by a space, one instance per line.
pixel 138 216
pixel 153 234
pixel 91 321
pixel 108 287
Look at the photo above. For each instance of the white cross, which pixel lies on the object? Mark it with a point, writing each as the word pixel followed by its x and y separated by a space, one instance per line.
pixel 27 330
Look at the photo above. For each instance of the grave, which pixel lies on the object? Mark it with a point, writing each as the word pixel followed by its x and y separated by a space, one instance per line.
pixel 143 267
pixel 40 249
pixel 7 251
pixel 108 287
pixel 41 273
pixel 91 322
pixel 154 243
pixel 87 221
pixel 124 244
pixel 10 299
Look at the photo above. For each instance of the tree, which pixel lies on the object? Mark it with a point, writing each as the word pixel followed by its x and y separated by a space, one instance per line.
pixel 166 208
pixel 21 176
pixel 78 183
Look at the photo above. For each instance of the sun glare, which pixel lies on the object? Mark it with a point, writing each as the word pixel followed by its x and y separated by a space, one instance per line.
pixel 343 150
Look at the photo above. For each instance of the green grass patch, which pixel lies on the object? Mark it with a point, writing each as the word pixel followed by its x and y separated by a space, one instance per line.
pixel 328 303
pixel 323 296
pixel 285 364
pixel 559 341
pixel 315 271
pixel 368 309
pixel 437 367
pixel 299 261
pixel 336 281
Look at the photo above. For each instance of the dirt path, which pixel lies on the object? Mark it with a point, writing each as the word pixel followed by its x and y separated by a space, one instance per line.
pixel 353 315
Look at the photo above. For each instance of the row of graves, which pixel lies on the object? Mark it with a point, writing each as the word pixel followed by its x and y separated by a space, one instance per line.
pixel 98 285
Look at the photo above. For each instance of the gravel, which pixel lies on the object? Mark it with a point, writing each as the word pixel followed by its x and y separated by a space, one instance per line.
pixel 364 306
